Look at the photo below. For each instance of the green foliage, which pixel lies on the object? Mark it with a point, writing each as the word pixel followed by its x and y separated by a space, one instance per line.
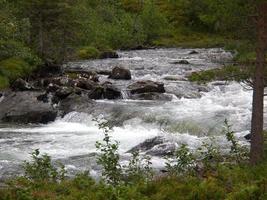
pixel 14 68
pixel 183 161
pixel 210 155
pixel 88 53
pixel 4 82
pixel 238 152
pixel 139 169
pixel 11 48
pixel 227 73
pixel 42 169
pixel 109 157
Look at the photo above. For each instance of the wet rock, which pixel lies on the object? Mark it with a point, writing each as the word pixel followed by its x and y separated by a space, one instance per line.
pixel 104 72
pixel 85 84
pixel 63 92
pixel 181 62
pixel 148 144
pixel 146 87
pixel 111 92
pixel 78 103
pixel 97 92
pixel 23 107
pixel 80 73
pixel 43 97
pixel 248 136
pixel 105 91
pixel 193 52
pixel 21 85
pixel 108 54
pixel 52 88
pixel 152 96
pixel 165 149
pixel 120 73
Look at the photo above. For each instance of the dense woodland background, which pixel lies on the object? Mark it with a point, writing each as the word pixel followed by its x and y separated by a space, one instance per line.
pixel 37 31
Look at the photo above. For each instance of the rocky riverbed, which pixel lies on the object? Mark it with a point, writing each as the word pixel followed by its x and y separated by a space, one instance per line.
pixel 144 94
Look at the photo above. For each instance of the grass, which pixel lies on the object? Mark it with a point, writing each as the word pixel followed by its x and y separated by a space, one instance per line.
pixel 4 82
pixel 227 73
pixel 12 69
pixel 227 182
pixel 189 39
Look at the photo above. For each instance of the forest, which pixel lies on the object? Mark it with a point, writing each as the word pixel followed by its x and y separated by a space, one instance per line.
pixel 133 99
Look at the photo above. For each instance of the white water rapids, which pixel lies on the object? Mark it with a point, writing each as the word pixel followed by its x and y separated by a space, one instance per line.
pixel 190 117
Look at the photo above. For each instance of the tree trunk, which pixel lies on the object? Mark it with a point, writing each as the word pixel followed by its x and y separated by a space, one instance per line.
pixel 257 139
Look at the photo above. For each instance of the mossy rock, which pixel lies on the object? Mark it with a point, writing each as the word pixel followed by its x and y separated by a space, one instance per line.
pixel 14 68
pixel 88 53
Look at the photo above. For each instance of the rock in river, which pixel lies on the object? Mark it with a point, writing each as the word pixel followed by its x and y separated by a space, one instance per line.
pixel 119 72
pixel 23 107
pixel 146 87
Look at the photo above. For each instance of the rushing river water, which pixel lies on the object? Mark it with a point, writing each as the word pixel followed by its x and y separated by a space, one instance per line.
pixel 192 114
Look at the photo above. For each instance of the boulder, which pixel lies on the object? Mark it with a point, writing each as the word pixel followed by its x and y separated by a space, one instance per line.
pixel 43 97
pixel 181 62
pixel 105 91
pixel 78 103
pixel 97 92
pixel 52 88
pixel 147 144
pixel 21 85
pixel 108 54
pixel 152 96
pixel 86 84
pixel 146 87
pixel 248 137
pixel 111 92
pixel 193 52
pixel 156 146
pixel 63 92
pixel 120 73
pixel 23 107
pixel 81 73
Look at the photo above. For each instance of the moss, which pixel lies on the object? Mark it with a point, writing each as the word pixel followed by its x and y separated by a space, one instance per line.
pixel 4 82
pixel 14 68
pixel 88 53
pixel 227 73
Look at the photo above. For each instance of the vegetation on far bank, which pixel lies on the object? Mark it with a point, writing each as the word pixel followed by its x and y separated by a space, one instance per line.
pixel 62 30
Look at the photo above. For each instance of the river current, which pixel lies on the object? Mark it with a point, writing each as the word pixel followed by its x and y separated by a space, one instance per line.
pixel 192 114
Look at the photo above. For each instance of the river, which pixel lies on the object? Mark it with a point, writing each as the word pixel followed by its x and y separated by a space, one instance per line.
pixel 189 113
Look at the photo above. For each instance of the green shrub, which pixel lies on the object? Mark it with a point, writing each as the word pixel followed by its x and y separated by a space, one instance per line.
pixel 42 169
pixel 109 157
pixel 139 169
pixel 12 48
pixel 182 162
pixel 4 83
pixel 88 53
pixel 238 153
pixel 14 68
